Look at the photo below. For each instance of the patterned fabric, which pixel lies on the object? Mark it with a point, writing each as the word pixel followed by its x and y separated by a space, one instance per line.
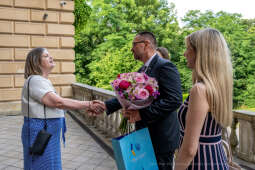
pixel 51 158
pixel 210 154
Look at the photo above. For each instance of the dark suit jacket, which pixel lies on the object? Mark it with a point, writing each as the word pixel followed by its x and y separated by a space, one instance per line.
pixel 161 116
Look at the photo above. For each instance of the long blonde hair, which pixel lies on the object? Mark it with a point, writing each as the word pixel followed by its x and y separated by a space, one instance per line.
pixel 213 67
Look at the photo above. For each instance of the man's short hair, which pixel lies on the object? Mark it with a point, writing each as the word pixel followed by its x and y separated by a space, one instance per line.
pixel 149 36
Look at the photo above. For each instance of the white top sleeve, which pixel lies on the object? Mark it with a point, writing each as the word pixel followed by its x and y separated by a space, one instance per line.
pixel 38 87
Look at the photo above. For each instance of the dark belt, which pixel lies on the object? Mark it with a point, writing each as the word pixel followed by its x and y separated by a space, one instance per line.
pixel 207 139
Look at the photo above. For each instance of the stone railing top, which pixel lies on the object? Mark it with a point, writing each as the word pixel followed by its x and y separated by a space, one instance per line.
pixel 244 114
pixel 95 89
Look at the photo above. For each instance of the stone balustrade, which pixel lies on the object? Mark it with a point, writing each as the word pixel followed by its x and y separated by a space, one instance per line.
pixel 242 136
pixel 107 125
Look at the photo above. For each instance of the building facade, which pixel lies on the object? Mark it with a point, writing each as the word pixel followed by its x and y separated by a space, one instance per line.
pixel 26 24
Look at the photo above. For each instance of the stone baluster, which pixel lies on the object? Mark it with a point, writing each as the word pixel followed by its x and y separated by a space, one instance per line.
pixel 109 128
pixel 111 124
pixel 117 124
pixel 233 136
pixel 246 149
pixel 252 155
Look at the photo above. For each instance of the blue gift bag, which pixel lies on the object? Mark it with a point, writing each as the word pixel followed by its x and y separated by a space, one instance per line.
pixel 134 151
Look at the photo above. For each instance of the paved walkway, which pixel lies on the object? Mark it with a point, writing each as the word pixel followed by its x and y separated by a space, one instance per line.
pixel 81 151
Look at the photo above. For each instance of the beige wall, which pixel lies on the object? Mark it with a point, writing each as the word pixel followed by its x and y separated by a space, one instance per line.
pixel 22 28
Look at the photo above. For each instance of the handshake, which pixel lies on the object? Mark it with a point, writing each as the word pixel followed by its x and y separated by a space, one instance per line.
pixel 95 107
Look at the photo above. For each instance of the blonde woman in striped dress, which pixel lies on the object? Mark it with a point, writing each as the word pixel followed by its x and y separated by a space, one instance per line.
pixel 209 106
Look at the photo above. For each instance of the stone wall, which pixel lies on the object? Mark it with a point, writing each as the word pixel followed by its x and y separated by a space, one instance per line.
pixel 26 24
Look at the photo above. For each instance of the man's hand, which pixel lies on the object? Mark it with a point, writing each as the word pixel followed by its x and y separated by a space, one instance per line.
pixel 125 113
pixel 96 107
pixel 132 115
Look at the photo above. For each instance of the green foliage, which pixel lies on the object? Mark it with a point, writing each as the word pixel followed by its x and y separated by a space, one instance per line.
pixel 239 34
pixel 184 96
pixel 106 29
pixel 83 44
pixel 105 69
pixel 105 42
pixel 81 13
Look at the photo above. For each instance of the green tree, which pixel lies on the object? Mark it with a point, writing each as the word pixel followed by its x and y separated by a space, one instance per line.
pixel 83 44
pixel 111 29
pixel 239 34
pixel 106 28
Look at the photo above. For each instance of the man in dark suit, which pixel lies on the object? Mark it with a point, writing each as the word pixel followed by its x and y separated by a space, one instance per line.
pixel 160 117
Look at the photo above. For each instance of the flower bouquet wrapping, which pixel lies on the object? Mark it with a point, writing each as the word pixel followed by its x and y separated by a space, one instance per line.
pixel 134 91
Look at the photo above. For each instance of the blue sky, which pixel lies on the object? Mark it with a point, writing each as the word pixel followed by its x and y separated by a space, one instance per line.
pixel 245 7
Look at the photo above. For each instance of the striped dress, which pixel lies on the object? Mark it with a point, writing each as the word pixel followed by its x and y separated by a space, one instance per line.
pixel 210 154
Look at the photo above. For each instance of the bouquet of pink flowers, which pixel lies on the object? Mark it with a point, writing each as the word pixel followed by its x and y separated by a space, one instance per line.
pixel 135 90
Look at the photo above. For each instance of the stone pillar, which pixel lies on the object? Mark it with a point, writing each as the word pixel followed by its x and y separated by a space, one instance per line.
pixel 246 147
pixel 233 137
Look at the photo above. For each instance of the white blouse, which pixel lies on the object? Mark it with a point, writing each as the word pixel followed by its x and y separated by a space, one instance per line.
pixel 38 87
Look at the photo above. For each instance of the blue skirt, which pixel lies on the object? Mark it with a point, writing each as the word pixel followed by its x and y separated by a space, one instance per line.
pixel 51 158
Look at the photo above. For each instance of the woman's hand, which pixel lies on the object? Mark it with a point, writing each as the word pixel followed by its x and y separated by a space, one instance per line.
pixel 96 107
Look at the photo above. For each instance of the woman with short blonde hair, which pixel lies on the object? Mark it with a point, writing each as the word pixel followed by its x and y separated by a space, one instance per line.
pixel 209 106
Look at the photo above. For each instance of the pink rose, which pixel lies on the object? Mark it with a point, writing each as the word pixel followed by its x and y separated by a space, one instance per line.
pixel 139 78
pixel 124 84
pixel 116 83
pixel 142 94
